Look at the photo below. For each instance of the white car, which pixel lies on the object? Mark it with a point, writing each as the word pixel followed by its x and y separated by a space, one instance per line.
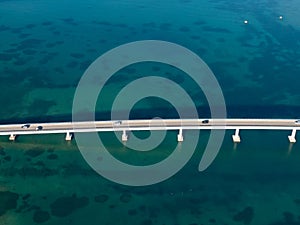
pixel 118 123
pixel 297 122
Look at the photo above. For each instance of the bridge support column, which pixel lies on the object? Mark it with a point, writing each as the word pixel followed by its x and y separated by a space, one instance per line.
pixel 180 136
pixel 68 136
pixel 292 137
pixel 236 137
pixel 124 136
pixel 12 137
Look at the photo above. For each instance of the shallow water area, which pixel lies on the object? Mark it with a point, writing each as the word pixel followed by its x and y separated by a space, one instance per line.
pixel 46 46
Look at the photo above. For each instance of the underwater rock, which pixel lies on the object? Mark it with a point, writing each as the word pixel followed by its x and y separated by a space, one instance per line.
pixel 165 26
pixel 39 164
pixel 30 43
pixel 50 45
pixel 195 37
pixel 70 21
pixel 132 212
pixel 47 23
pixel 8 201
pixel 22 36
pixel 184 29
pixel 72 64
pixel 129 70
pixel 34 152
pixel 20 62
pixel 297 201
pixel 289 217
pixel 2 152
pixel 30 26
pixel 7 56
pixel 212 220
pixel 7 158
pixel 65 206
pixel 77 55
pixel 101 198
pixel 142 208
pixel 125 198
pixel 156 68
pixel 216 29
pixel 199 22
pixel 25 197
pixel 52 156
pixel 40 216
pixel 245 216
pixel 4 28
pixel 112 206
pixel 29 51
pixel 16 30
pixel 84 65
pixel 146 222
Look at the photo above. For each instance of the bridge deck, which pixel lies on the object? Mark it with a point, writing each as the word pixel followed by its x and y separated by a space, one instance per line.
pixel 169 124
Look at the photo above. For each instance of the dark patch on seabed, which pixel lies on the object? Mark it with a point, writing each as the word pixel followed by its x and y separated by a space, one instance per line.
pixel 64 206
pixel 245 216
pixel 34 152
pixel 101 198
pixel 40 216
pixel 288 219
pixel 8 201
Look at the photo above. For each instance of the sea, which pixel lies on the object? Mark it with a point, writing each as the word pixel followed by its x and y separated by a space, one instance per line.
pixel 251 47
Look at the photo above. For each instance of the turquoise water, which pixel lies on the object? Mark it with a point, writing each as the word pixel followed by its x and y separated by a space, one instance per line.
pixel 47 45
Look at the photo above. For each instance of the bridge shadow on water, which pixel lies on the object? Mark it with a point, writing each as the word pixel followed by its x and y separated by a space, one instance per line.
pixel 233 111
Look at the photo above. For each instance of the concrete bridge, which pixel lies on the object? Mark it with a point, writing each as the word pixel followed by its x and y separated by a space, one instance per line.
pixel 124 126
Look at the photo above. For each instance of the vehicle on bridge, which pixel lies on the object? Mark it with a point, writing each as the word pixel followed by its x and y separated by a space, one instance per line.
pixel 205 121
pixel 39 128
pixel 25 126
pixel 118 123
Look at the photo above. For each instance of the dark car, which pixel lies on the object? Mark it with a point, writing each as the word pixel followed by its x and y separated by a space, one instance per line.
pixel 205 121
pixel 25 126
pixel 39 128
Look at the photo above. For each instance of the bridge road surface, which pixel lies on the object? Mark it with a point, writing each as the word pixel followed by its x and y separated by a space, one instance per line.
pixel 166 124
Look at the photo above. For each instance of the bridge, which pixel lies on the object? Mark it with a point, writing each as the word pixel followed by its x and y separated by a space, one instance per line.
pixel 125 126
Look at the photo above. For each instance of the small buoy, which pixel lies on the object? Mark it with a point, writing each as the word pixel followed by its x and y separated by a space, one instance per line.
pixel 280 17
pixel 245 21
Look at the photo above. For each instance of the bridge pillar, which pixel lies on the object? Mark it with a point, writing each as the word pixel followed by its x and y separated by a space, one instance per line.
pixel 236 137
pixel 180 136
pixel 124 136
pixel 68 136
pixel 292 137
pixel 12 137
